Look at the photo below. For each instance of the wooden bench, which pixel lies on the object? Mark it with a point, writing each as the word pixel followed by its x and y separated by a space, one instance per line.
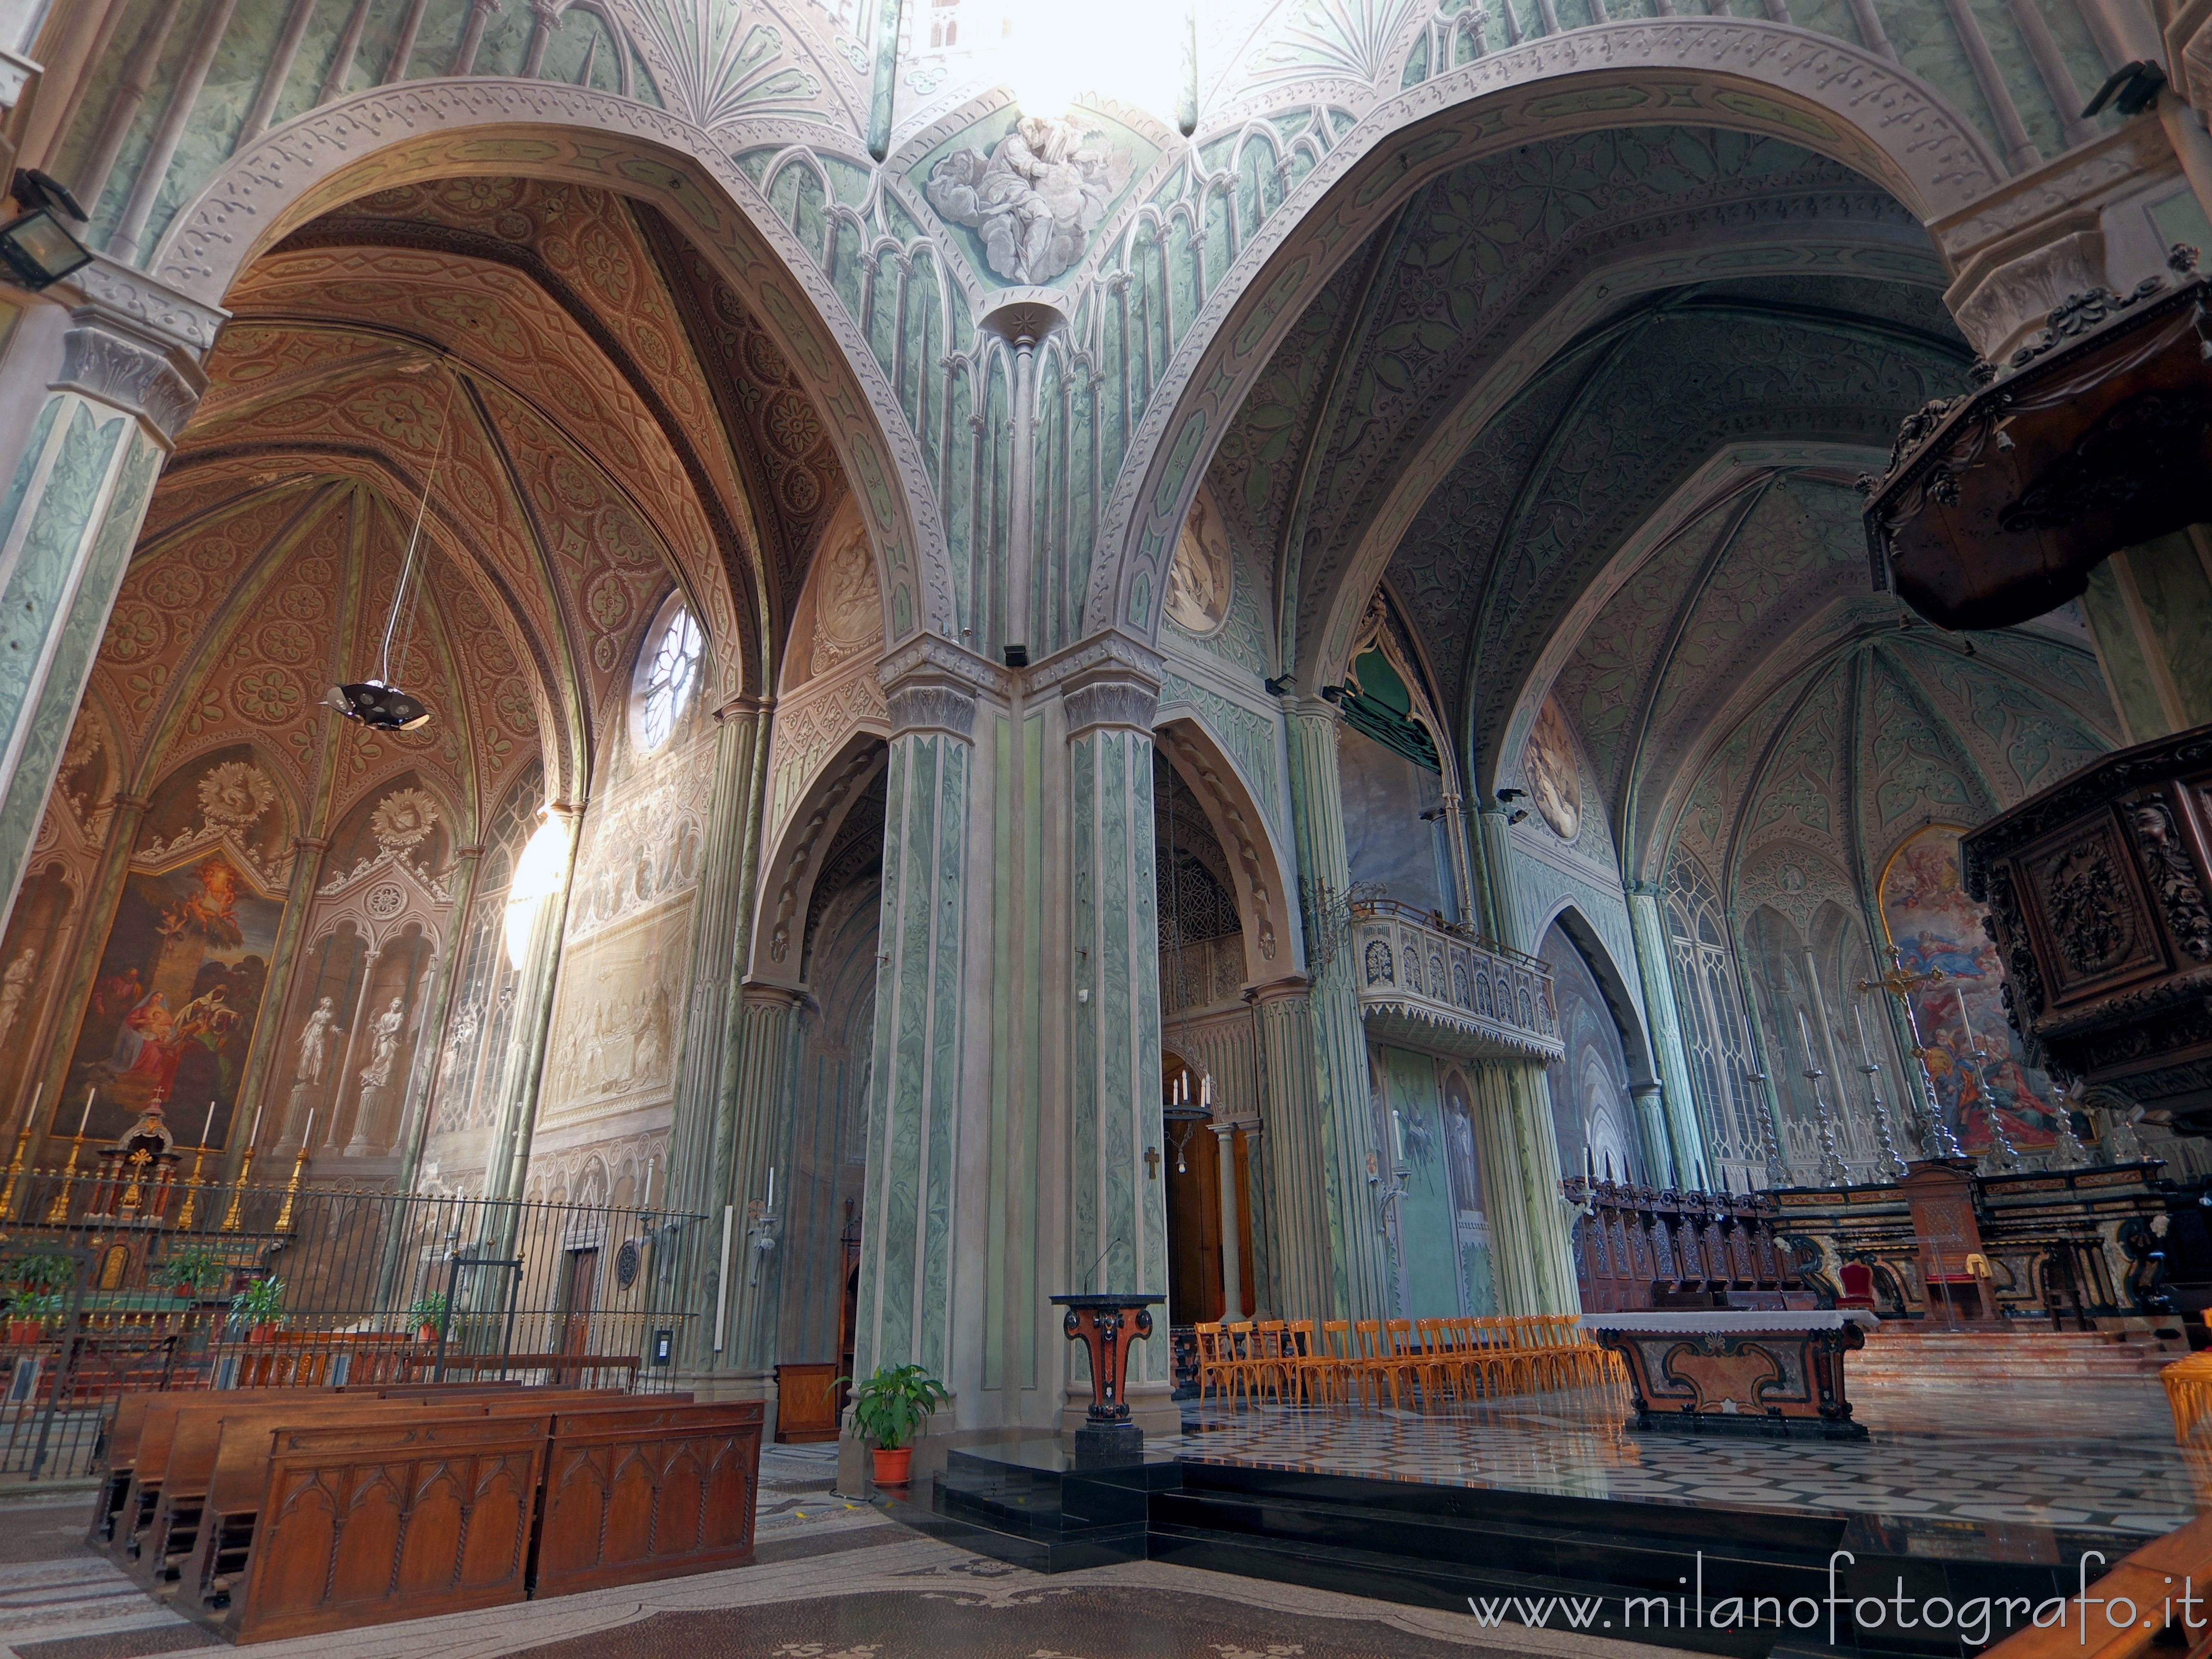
pixel 2147 1579
pixel 362 1524
pixel 207 1566
pixel 648 1491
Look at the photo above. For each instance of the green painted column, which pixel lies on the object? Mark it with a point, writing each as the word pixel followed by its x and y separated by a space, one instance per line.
pixel 1531 1248
pixel 763 1052
pixel 701 1135
pixel 522 1068
pixel 922 1031
pixel 1290 1199
pixel 1360 1265
pixel 68 521
pixel 1117 1153
pixel 1679 1104
pixel 2149 611
pixel 1494 845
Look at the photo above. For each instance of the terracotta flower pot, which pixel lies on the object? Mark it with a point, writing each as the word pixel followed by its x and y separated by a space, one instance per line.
pixel 426 1333
pixel 25 1333
pixel 261 1333
pixel 893 1467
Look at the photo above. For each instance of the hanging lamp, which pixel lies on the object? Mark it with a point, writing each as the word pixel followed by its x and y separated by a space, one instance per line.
pixel 378 702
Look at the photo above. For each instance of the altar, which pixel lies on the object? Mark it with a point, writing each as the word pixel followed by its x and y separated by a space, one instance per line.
pixel 1718 1371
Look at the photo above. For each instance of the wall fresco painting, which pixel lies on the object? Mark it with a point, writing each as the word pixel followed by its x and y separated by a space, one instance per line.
pixel 173 1007
pixel 1928 916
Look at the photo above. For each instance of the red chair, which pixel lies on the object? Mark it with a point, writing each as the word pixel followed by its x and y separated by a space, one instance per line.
pixel 1858 1285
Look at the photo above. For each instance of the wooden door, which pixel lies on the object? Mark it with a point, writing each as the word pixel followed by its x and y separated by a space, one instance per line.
pixel 576 1302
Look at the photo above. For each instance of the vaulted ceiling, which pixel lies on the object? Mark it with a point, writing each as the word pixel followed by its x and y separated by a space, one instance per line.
pixel 581 414
pixel 1590 410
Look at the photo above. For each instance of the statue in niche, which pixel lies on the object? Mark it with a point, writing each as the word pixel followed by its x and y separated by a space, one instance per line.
pixel 1036 199
pixel 383 1044
pixel 847 614
pixel 314 1043
pixel 14 989
pixel 1548 763
pixel 1198 581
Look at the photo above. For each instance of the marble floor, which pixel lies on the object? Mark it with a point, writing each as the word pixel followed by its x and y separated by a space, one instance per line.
pixel 833 1580
pixel 2088 1457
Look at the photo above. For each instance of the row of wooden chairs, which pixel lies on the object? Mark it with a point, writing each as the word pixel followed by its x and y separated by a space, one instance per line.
pixel 1434 1360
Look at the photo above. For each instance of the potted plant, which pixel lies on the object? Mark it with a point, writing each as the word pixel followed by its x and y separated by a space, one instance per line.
pixel 260 1308
pixel 429 1313
pixel 890 1408
pixel 30 1313
pixel 189 1271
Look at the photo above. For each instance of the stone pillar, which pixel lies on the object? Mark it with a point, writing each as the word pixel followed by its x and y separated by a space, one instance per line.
pixel 1496 844
pixel 522 1068
pixel 1532 1249
pixel 1358 1265
pixel 1287 1168
pixel 1117 1148
pixel 99 428
pixel 701 1139
pixel 1232 1277
pixel 421 1082
pixel 760 1057
pixel 2149 609
pixel 1663 1021
pixel 909 1214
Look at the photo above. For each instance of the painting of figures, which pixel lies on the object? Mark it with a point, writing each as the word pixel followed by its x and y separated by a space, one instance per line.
pixel 1929 917
pixel 172 1009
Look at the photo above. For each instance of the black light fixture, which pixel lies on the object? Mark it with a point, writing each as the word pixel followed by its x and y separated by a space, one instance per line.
pixel 35 244
pixel 378 703
pixel 373 702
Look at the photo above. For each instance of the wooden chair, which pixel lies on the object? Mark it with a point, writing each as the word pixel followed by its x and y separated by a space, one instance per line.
pixel 2189 1393
pixel 1212 1368
pixel 1378 1360
pixel 1297 1355
pixel 1326 1372
pixel 1268 1368
pixel 1238 1356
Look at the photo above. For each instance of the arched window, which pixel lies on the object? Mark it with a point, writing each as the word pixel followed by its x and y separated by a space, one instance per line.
pixel 668 674
pixel 1712 1022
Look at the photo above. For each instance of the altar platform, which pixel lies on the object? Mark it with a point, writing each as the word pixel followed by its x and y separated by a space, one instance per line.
pixel 1958 1492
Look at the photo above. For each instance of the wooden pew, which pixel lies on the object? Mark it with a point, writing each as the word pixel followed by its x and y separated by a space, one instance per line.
pixel 228 1516
pixel 132 1507
pixel 138 1442
pixel 170 1533
pixel 647 1491
pixel 407 1519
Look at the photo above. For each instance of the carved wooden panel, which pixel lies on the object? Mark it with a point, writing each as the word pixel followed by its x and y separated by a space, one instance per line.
pixel 2086 903
pixel 639 1494
pixel 361 1525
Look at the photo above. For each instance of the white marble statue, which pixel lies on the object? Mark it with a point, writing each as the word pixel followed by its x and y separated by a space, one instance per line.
pixel 14 989
pixel 383 1043
pixel 1036 199
pixel 314 1043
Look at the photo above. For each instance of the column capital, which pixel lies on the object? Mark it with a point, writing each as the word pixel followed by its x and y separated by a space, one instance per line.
pixel 1278 990
pixel 1109 680
pixel 754 993
pixel 127 370
pixel 1316 708
pixel 1644 890
pixel 744 705
pixel 1645 1090
pixel 311 843
pixel 128 299
pixel 931 685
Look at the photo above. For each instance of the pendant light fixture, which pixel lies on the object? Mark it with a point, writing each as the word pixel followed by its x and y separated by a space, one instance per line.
pixel 378 702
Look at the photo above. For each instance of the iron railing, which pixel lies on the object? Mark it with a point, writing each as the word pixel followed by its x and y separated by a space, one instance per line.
pixel 113 1282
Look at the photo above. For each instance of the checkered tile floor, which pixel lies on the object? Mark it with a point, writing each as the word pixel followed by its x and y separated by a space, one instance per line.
pixel 2095 1457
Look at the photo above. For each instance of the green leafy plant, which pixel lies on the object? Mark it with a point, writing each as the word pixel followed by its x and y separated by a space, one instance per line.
pixel 891 1406
pixel 261 1302
pixel 194 1268
pixel 47 1307
pixel 428 1310
pixel 45 1270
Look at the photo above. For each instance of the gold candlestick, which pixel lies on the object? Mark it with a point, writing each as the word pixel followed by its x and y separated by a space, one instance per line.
pixel 292 1190
pixel 230 1217
pixel 191 1206
pixel 57 1212
pixel 15 1175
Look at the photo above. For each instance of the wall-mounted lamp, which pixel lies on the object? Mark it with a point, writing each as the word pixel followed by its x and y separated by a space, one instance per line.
pixel 1279 684
pixel 35 244
pixel 1507 797
pixel 1516 815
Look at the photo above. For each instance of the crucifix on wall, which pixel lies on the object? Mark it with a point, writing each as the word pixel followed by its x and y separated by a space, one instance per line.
pixel 1151 1163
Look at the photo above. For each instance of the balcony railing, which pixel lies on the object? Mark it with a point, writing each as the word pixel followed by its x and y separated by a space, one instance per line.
pixel 1204 973
pixel 1432 986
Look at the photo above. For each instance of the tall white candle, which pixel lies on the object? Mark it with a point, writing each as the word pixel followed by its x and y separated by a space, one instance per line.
pixel 1398 1134
pixel 1805 1035
pixel 1966 1023
pixel 31 1116
pixel 90 1095
pixel 254 1139
pixel 771 1187
pixel 308 1138
pixel 1866 1048
pixel 209 1127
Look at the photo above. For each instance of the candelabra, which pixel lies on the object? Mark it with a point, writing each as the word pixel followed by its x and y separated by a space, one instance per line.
pixel 15 1175
pixel 1935 1135
pixel 2071 1154
pixel 57 1212
pixel 1770 1137
pixel 2007 1158
pixel 1891 1158
pixel 232 1222
pixel 190 1208
pixel 1834 1171
pixel 292 1188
